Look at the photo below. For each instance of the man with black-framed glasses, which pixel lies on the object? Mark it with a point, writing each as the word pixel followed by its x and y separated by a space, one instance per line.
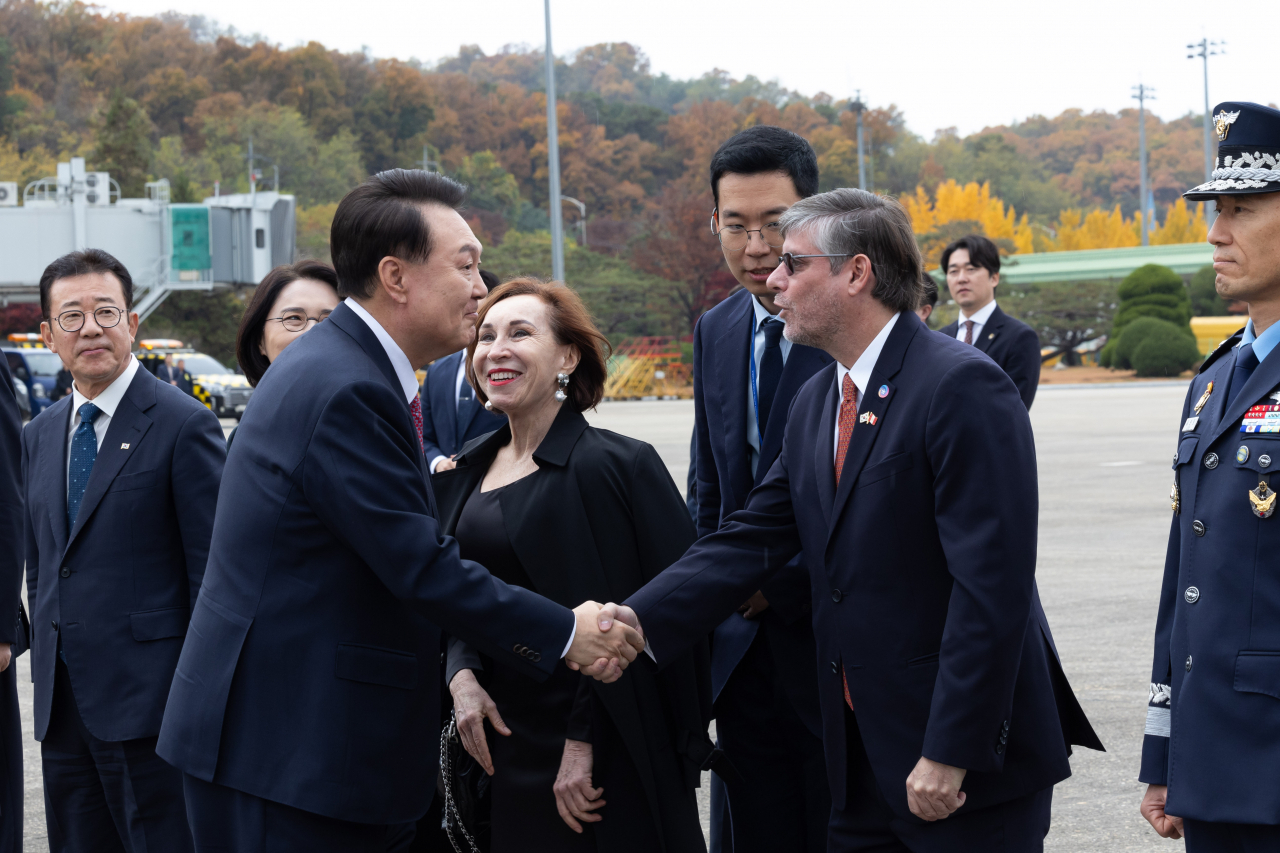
pixel 745 373
pixel 120 483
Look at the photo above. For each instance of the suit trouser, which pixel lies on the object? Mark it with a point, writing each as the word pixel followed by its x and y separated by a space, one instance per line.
pixel 868 825
pixel 784 803
pixel 106 796
pixel 1208 837
pixel 224 820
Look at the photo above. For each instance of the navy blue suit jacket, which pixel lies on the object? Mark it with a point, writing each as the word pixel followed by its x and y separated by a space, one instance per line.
pixel 311 674
pixel 11 540
pixel 1217 641
pixel 1014 346
pixel 119 586
pixel 721 351
pixel 439 411
pixel 923 575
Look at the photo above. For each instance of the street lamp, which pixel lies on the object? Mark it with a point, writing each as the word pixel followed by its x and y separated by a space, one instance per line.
pixel 1207 49
pixel 858 108
pixel 582 215
pixel 1142 93
pixel 553 159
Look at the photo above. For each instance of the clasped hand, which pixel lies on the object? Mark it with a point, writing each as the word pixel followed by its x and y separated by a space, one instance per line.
pixel 607 639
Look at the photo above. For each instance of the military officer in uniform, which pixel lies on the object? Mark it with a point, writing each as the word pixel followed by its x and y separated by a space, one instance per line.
pixel 1212 744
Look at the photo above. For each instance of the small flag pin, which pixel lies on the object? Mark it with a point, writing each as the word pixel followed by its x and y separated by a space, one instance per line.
pixel 124 446
pixel 868 418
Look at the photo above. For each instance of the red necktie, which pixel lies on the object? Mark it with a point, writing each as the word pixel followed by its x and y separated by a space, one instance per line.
pixel 848 417
pixel 415 409
pixel 968 332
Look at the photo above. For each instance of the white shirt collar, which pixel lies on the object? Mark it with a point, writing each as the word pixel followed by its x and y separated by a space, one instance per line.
pixel 982 315
pixel 399 361
pixel 861 370
pixel 762 313
pixel 110 398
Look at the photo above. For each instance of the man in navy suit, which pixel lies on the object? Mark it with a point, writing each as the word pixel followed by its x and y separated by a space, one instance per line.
pixel 940 690
pixel 451 414
pixel 745 374
pixel 305 709
pixel 13 636
pixel 121 480
pixel 972 266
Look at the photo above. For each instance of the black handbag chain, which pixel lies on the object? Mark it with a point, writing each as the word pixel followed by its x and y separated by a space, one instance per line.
pixel 452 817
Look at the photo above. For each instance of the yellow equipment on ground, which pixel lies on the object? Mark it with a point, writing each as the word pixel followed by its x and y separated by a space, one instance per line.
pixel 648 367
pixel 1211 331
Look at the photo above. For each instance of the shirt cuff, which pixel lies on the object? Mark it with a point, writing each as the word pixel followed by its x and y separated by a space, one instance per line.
pixel 649 651
pixel 564 654
pixel 435 462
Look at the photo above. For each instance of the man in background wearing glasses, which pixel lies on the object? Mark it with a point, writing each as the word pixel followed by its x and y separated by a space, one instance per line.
pixel 744 376
pixel 120 480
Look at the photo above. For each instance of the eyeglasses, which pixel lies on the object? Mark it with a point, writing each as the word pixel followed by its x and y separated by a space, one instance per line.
pixel 297 322
pixel 106 317
pixel 736 237
pixel 789 260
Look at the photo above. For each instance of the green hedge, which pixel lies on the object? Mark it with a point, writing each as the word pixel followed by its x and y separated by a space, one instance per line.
pixel 1150 292
pixel 1165 355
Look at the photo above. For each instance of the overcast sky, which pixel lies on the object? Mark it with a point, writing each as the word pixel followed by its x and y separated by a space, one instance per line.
pixel 945 64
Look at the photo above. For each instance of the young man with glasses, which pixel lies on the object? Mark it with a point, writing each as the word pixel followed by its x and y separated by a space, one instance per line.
pixel 745 374
pixel 120 483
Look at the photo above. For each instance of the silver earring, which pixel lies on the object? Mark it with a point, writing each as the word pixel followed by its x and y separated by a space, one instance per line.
pixel 562 379
pixel 488 405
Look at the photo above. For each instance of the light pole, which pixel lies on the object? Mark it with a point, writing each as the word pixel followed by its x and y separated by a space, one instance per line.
pixel 553 159
pixel 1142 93
pixel 1207 49
pixel 582 216
pixel 858 108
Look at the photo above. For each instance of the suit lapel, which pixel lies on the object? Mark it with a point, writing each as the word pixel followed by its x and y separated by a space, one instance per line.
pixel 825 451
pixel 802 363
pixel 733 349
pixel 1266 376
pixel 877 398
pixel 466 414
pixel 54 435
pixel 128 426
pixel 990 330
pixel 443 404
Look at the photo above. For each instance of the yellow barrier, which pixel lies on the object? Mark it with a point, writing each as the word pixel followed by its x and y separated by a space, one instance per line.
pixel 1211 331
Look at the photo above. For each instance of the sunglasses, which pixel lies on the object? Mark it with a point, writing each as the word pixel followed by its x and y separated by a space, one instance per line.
pixel 789 260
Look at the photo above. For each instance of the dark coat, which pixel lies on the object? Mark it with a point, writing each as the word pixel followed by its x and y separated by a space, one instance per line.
pixel 721 351
pixel 13 629
pixel 119 587
pixel 923 576
pixel 1014 346
pixel 311 674
pixel 603 518
pixel 1217 649
pixel 440 411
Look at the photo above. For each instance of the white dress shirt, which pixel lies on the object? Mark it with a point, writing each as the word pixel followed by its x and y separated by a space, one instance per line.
pixel 409 383
pixel 860 372
pixel 753 426
pixel 979 318
pixel 107 402
pixel 457 395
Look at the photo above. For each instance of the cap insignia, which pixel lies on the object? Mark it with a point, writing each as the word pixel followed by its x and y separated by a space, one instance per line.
pixel 1222 123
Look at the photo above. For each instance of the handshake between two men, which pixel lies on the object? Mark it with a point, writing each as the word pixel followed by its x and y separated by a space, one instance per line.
pixel 607 638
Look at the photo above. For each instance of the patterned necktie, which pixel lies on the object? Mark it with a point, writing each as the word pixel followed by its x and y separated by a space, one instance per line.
pixel 848 417
pixel 415 409
pixel 968 332
pixel 1246 363
pixel 84 450
pixel 770 371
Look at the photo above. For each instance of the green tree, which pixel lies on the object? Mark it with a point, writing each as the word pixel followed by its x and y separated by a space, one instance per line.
pixel 393 118
pixel 124 144
pixel 205 320
pixel 1205 301
pixel 1063 315
pixel 1149 291
pixel 489 186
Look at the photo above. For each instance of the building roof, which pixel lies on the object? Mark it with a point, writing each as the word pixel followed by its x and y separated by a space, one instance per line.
pixel 1099 264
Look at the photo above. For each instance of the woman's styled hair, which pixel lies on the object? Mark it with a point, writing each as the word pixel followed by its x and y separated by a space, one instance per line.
pixel 249 338
pixel 571 323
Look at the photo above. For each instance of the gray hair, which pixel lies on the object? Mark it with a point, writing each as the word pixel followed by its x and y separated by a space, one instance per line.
pixel 851 222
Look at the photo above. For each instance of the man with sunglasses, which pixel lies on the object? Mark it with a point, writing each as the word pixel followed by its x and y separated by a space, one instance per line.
pixel 120 480
pixel 745 373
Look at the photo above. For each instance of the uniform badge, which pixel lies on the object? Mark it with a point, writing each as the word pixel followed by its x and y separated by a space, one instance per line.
pixel 1222 123
pixel 1242 455
pixel 1174 498
pixel 1263 500
pixel 1204 398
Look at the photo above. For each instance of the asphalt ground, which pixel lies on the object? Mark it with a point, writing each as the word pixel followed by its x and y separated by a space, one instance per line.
pixel 1103 454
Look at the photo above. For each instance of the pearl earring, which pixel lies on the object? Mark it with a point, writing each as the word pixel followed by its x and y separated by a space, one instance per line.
pixel 562 380
pixel 488 405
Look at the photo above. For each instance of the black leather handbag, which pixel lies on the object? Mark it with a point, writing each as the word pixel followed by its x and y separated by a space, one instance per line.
pixel 464 789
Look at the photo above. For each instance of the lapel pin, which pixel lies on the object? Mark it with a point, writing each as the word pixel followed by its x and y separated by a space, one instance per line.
pixel 990 336
pixel 884 392
pixel 124 446
pixel 1204 398
pixel 1263 500
pixel 868 418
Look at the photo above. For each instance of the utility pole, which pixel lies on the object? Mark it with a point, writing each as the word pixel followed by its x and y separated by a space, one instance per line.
pixel 582 216
pixel 253 184
pixel 1207 49
pixel 858 108
pixel 553 159
pixel 1142 93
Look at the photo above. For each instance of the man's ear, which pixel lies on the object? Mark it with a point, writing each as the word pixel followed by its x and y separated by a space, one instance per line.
pixel 859 275
pixel 46 335
pixel 391 274
pixel 995 279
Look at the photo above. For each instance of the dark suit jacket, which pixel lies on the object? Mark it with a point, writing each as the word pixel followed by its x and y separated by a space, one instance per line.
pixel 13 628
pixel 1014 346
pixel 923 575
pixel 119 586
pixel 311 675
pixel 602 518
pixel 1217 649
pixel 439 411
pixel 721 349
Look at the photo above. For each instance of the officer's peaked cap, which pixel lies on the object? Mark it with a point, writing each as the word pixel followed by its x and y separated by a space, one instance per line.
pixel 1248 158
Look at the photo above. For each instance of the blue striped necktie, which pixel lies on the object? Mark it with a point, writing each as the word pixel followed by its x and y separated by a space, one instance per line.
pixel 84 450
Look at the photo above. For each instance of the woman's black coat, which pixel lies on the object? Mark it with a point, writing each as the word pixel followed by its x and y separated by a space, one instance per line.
pixel 601 518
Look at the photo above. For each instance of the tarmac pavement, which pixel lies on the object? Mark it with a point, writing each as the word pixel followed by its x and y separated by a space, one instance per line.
pixel 1103 453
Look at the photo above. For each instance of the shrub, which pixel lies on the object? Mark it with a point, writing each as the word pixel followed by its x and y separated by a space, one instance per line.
pixel 1138 332
pixel 1205 301
pixel 1165 355
pixel 1151 292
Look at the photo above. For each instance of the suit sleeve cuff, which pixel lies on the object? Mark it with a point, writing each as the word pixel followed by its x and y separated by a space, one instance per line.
pixel 435 462
pixel 1155 760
